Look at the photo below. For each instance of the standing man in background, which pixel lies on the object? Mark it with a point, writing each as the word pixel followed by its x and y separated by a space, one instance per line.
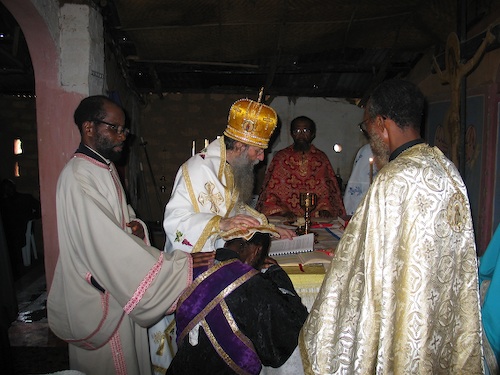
pixel 300 168
pixel 17 210
pixel 8 305
pixel 401 293
pixel 360 179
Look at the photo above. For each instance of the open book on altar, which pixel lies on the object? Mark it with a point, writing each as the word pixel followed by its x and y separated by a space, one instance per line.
pixel 311 257
pixel 298 251
pixel 299 244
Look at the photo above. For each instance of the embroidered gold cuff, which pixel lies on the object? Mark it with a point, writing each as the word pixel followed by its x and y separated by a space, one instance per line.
pixel 217 224
pixel 211 228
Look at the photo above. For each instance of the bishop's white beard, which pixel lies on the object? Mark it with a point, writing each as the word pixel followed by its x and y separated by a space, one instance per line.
pixel 244 177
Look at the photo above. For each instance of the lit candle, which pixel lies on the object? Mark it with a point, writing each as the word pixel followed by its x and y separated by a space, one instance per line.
pixel 193 149
pixel 371 169
pixel 206 143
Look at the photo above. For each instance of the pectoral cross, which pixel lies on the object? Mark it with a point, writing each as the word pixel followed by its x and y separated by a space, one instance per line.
pixel 215 199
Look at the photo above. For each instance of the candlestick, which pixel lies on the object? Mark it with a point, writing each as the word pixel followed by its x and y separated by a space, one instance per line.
pixel 371 169
pixel 193 150
pixel 206 143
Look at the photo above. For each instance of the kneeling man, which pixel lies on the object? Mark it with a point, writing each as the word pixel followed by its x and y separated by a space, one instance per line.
pixel 236 317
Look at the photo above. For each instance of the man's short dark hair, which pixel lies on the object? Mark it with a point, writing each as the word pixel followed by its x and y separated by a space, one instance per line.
pixel 296 120
pixel 259 238
pixel 90 108
pixel 264 240
pixel 398 100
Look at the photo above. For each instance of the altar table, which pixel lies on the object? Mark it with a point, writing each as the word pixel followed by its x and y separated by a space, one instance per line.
pixel 307 283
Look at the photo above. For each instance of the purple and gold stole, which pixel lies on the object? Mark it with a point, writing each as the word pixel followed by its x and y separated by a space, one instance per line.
pixel 203 303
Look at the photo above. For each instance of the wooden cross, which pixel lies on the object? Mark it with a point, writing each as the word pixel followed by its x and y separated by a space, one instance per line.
pixel 455 71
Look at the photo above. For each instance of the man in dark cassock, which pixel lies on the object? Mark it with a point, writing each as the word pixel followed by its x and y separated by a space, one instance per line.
pixel 17 209
pixel 239 314
pixel 8 304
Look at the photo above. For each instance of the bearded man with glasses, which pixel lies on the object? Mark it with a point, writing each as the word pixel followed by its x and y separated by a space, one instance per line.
pixel 109 283
pixel 300 168
pixel 401 295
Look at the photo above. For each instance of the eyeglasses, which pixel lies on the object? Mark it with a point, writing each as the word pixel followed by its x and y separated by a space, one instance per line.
pixel 298 131
pixel 258 151
pixel 116 128
pixel 362 127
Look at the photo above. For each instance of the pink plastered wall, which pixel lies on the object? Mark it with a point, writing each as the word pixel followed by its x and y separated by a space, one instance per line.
pixel 57 135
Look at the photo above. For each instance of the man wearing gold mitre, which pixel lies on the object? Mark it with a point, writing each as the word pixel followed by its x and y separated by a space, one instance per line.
pixel 211 190
pixel 209 200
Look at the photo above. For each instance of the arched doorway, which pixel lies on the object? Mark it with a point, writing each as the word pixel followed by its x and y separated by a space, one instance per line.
pixel 20 193
pixel 54 106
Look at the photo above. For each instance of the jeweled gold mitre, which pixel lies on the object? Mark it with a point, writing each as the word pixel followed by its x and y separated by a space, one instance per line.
pixel 251 122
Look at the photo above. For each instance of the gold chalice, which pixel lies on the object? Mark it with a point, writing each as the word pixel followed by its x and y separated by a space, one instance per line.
pixel 308 203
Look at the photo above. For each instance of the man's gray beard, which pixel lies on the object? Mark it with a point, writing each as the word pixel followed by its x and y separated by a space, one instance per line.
pixel 244 178
pixel 381 151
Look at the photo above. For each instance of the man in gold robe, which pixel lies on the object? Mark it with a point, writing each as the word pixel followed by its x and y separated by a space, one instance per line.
pixel 401 295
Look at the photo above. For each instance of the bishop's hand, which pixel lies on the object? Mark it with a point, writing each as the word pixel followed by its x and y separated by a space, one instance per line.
pixel 240 221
